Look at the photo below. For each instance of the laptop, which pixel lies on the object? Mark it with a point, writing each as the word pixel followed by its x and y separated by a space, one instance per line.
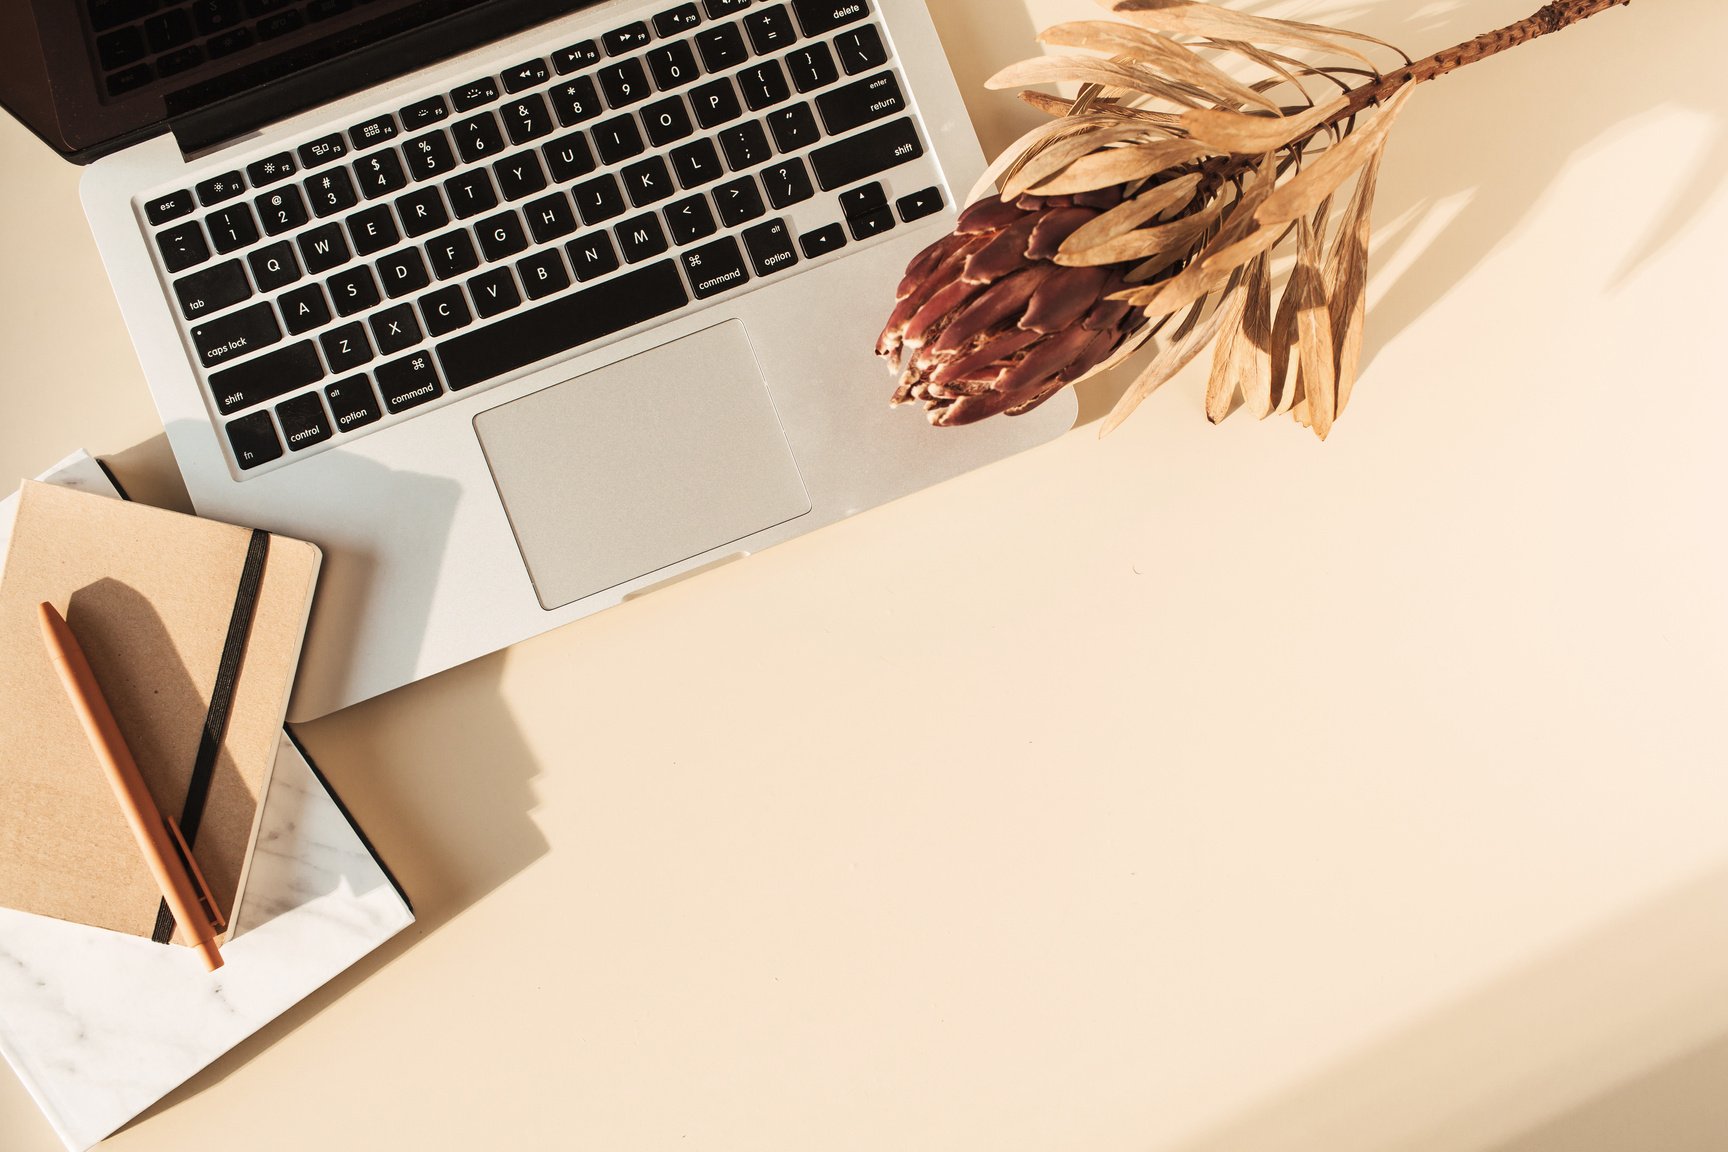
pixel 518 308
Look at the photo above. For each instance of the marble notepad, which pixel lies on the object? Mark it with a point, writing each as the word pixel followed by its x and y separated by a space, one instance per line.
pixel 99 1025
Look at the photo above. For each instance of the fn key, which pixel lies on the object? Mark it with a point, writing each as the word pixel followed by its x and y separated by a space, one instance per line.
pixel 254 440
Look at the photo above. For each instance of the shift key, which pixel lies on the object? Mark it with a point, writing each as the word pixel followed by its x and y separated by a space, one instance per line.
pixel 860 157
pixel 266 377
pixel 236 334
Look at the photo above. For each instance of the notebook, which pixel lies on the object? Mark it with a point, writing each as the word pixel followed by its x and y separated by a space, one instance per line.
pixel 166 607
pixel 396 270
pixel 139 1018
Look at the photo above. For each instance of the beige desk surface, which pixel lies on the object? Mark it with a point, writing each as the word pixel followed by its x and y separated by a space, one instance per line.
pixel 1197 790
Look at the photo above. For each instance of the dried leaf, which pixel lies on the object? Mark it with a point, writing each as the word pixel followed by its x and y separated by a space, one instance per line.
pixel 1028 145
pixel 1106 73
pixel 1347 277
pixel 1203 276
pixel 1130 214
pixel 1189 341
pixel 1191 18
pixel 1314 323
pixel 1117 166
pixel 1221 387
pixel 1057 154
pixel 1176 239
pixel 1178 61
pixel 1248 134
pixel 1303 192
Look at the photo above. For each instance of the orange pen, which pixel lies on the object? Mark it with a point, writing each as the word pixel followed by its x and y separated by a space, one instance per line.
pixel 164 849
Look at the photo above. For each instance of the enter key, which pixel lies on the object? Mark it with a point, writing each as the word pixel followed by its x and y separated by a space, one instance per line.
pixel 860 102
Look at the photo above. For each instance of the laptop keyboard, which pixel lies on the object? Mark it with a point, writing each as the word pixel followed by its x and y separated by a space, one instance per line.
pixel 363 276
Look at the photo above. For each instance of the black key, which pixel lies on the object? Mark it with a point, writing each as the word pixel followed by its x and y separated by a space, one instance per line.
pixel 494 291
pixel 380 174
pixel 470 193
pixel 576 101
pixel 374 131
pixel 323 248
pixel 121 48
pixel 770 29
pixel 373 230
pixel 352 403
pixel 178 61
pixel 106 14
pixel 482 91
pixel 919 204
pixel 568 157
pixel 690 219
pixel 714 268
pixel 236 334
pixel 232 227
pixel 168 30
pixel 403 272
pixel 125 81
pixel 793 127
pixel 860 50
pixel 271 169
pixel 648 181
pixel 182 247
pixel 212 289
pixel 819 16
pixel 676 20
pixel 408 382
pixel 550 217
pixel 274 266
pixel 445 310
pixel 864 155
pixel 863 200
pixel 265 377
pixel 543 274
pixel 282 210
pixel 696 163
pixel 346 347
pixel 746 145
pixel 617 139
pixel 738 200
pixel 787 183
pixel 626 39
pixel 526 119
pixel 519 176
pixel 421 211
pixel 452 254
pixel 599 199
pixel 423 113
pixel 304 422
pixel 254 440
pixel 822 241
pixel 640 237
pixel 395 329
pixel 561 324
pixel 667 121
pixel 212 16
pixel 719 8
pixel 169 207
pixel 478 138
pixel 525 75
pixel 721 47
pixel 576 57
pixel 860 102
pixel 352 290
pixel 770 247
pixel 624 83
pixel 592 256
pixel 811 67
pixel 331 192
pixel 501 235
pixel 673 65
pixel 870 224
pixel 280 24
pixel 429 155
pixel 304 309
pixel 219 188
pixel 715 103
pixel 763 84
pixel 323 150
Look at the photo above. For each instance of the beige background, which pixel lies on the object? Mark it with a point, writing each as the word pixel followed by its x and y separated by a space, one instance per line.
pixel 1196 790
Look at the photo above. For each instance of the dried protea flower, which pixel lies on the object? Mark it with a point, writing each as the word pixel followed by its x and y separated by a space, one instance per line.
pixel 1156 200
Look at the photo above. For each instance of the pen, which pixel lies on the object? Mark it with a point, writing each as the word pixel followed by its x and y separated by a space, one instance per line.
pixel 163 847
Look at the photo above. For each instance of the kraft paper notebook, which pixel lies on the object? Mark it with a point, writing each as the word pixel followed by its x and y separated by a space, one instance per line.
pixel 193 628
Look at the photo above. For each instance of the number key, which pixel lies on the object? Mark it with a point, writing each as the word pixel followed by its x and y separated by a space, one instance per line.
pixel 526 119
pixel 331 192
pixel 281 210
pixel 232 227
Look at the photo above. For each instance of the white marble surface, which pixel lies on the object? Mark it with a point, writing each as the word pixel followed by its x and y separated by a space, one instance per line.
pixel 100 1025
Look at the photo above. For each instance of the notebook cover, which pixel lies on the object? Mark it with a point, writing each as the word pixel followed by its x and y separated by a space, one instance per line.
pixel 149 594
pixel 100 1026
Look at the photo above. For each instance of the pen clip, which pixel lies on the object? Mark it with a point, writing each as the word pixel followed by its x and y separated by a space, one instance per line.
pixel 206 901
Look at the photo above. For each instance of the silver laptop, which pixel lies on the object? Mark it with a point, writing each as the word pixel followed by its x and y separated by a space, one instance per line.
pixel 517 309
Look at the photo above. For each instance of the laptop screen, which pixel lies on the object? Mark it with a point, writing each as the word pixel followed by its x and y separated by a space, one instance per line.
pixel 89 76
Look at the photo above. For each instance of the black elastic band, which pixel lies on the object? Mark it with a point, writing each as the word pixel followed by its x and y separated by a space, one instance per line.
pixel 221 703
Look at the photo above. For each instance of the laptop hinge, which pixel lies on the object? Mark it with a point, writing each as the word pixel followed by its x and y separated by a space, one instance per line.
pixel 219 111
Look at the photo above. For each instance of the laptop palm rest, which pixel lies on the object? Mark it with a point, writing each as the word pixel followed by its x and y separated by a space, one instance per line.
pixel 642 464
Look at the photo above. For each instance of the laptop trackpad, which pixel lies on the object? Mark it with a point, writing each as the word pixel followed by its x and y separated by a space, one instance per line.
pixel 641 464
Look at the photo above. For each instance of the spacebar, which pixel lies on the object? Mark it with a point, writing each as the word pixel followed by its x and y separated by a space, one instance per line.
pixel 565 323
